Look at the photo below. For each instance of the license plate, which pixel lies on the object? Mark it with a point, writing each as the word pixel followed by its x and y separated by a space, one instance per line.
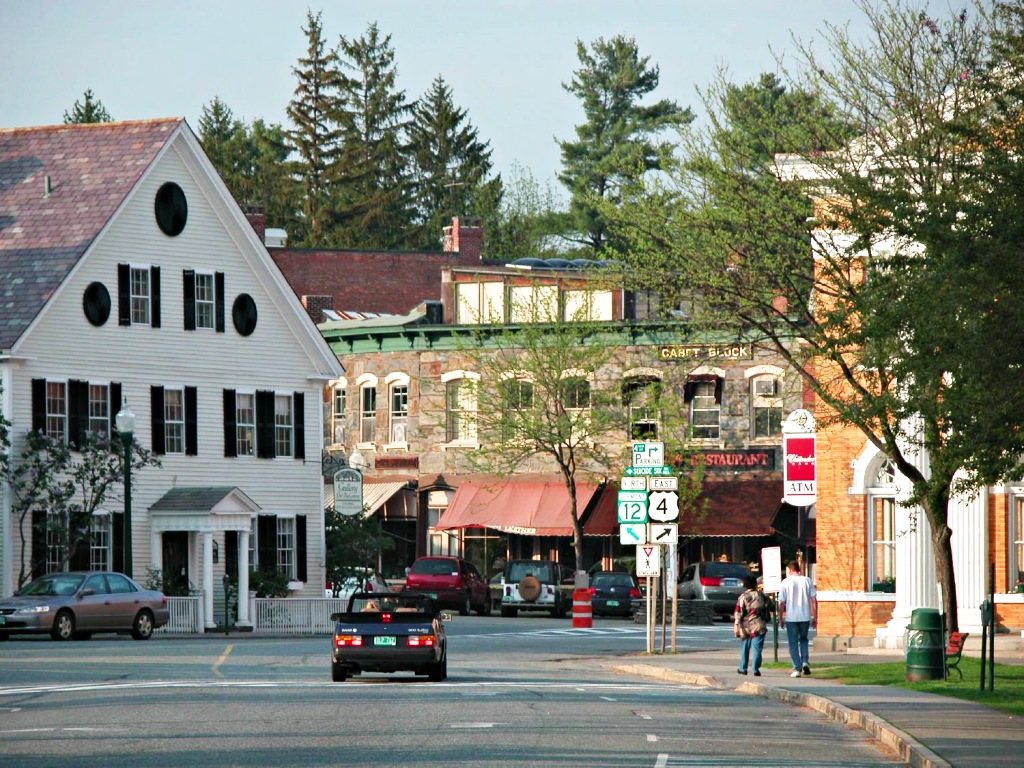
pixel 3 619
pixel 384 641
pixel 731 583
pixel 613 603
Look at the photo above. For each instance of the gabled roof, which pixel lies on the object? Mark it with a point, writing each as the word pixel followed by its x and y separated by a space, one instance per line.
pixel 59 186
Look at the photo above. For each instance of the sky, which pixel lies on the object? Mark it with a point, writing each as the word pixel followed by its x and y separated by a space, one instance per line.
pixel 505 60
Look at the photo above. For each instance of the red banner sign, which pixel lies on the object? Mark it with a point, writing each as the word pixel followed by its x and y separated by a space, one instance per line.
pixel 800 480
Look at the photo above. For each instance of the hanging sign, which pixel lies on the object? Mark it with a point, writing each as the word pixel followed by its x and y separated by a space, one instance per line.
pixel 800 481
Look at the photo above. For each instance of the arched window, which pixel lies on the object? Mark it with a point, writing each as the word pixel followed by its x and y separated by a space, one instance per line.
pixel 641 394
pixel 460 406
pixel 398 414
pixel 882 528
pixel 367 384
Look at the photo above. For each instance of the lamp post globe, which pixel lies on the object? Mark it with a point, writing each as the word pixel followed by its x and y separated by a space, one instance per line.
pixel 125 423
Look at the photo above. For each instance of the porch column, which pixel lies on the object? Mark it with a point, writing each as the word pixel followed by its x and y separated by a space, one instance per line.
pixel 969 521
pixel 208 580
pixel 243 581
pixel 156 551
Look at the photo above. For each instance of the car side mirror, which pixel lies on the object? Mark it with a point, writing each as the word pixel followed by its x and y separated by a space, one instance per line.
pixel 445 616
pixel 87 591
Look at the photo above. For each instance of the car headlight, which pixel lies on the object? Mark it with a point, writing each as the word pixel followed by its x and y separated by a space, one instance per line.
pixel 34 609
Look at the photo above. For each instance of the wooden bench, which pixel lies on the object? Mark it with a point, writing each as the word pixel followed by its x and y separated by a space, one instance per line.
pixel 954 650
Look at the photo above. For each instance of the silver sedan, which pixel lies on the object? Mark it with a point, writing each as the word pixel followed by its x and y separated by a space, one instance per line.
pixel 74 604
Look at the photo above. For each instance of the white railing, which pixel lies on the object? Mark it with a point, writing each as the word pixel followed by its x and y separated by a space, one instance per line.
pixel 186 616
pixel 295 615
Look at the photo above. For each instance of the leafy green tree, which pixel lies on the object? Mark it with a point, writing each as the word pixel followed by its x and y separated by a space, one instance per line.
pixel 450 163
pixel 521 218
pixel 69 483
pixel 88 110
pixel 314 136
pixel 909 262
pixel 354 542
pixel 618 143
pixel 373 206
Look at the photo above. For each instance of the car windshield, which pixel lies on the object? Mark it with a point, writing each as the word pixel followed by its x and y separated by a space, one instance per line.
pixel 612 580
pixel 435 568
pixel 542 571
pixel 728 570
pixel 56 584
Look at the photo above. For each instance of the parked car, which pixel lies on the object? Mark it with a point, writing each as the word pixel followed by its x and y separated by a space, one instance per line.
pixel 75 604
pixel 614 593
pixel 358 579
pixel 721 583
pixel 452 581
pixel 534 585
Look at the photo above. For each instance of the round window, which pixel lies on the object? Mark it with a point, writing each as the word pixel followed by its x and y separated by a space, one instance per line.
pixel 96 303
pixel 171 209
pixel 243 313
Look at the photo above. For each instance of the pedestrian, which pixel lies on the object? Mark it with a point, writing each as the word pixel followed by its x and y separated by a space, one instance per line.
pixel 750 624
pixel 798 612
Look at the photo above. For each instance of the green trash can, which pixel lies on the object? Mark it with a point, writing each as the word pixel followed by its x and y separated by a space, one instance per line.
pixel 925 645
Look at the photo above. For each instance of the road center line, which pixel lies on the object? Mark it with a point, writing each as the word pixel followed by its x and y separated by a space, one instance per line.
pixel 221 660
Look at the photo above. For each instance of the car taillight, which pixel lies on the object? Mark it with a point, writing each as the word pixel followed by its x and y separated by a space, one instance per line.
pixel 421 641
pixel 342 641
pixel 591 591
pixel 634 592
pixel 710 581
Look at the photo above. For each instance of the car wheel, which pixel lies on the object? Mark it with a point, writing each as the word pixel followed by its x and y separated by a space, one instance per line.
pixel 338 674
pixel 529 588
pixel 63 626
pixel 142 627
pixel 485 607
pixel 509 613
pixel 465 607
pixel 438 672
pixel 5 636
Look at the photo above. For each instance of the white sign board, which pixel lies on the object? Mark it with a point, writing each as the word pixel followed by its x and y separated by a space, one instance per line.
pixel 633 533
pixel 648 560
pixel 633 484
pixel 663 533
pixel 670 483
pixel 663 506
pixel 348 492
pixel 648 454
pixel 771 568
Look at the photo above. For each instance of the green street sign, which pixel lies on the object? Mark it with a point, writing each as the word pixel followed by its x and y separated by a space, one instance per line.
pixel 646 471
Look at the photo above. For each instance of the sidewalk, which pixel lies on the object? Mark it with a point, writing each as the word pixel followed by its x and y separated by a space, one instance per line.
pixel 926 730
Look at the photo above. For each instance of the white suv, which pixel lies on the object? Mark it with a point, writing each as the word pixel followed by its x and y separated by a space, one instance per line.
pixel 532 585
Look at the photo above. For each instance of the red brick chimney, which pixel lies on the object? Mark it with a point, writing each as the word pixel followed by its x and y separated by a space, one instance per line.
pixel 315 306
pixel 257 216
pixel 467 240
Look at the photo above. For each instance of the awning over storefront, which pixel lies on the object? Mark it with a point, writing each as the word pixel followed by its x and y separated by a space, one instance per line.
pixel 732 508
pixel 375 495
pixel 529 505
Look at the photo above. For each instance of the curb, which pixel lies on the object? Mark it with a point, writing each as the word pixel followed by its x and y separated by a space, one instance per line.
pixel 906 747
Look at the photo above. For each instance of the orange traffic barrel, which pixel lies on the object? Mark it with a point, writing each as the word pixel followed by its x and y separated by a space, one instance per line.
pixel 582 615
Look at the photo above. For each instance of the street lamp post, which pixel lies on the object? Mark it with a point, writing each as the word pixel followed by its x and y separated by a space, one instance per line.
pixel 125 421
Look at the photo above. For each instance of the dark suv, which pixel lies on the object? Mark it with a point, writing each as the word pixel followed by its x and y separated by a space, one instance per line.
pixel 454 581
pixel 721 583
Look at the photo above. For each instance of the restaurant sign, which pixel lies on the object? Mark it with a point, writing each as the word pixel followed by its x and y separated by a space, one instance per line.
pixel 737 460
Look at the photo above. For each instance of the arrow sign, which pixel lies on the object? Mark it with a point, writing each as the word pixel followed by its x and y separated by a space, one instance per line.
pixel 632 533
pixel 663 506
pixel 664 533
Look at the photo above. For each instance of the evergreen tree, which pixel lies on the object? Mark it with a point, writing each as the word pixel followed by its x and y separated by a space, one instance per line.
pixel 451 164
pixel 618 142
pixel 314 137
pixel 222 136
pixel 373 205
pixel 88 110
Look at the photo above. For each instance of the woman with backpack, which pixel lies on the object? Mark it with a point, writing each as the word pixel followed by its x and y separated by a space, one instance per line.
pixel 750 624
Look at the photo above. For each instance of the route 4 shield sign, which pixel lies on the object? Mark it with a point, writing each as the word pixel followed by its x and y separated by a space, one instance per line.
pixel 663 506
pixel 648 560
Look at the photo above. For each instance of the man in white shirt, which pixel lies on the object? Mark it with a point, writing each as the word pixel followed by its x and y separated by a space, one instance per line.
pixel 798 612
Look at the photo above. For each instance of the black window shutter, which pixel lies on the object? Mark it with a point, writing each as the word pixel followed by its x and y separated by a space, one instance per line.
pixel 38 405
pixel 264 424
pixel 117 542
pixel 115 405
pixel 188 292
pixel 156 421
pixel 719 381
pixel 231 554
pixel 218 287
pixel 191 422
pixel 299 406
pixel 266 542
pixel 78 412
pixel 79 560
pixel 230 425
pixel 300 547
pixel 124 297
pixel 689 390
pixel 154 298
pixel 38 565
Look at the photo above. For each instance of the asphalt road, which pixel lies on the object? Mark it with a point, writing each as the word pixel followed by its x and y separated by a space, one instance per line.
pixel 521 692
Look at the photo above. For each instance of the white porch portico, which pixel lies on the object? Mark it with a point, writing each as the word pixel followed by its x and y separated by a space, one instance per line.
pixel 206 513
